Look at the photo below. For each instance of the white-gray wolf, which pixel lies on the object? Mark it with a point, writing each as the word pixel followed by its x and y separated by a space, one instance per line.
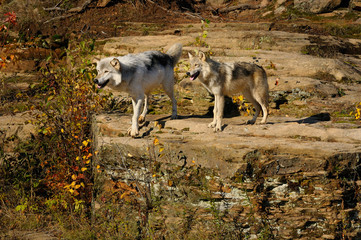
pixel 228 79
pixel 138 74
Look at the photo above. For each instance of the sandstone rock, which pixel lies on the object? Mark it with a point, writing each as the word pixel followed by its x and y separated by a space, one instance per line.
pixel 280 10
pixel 103 3
pixel 316 6
pixel 264 3
pixel 280 2
pixel 355 5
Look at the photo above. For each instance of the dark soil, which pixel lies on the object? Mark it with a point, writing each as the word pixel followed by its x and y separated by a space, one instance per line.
pixel 111 21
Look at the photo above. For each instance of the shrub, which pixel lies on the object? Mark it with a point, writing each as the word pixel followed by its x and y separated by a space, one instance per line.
pixel 53 168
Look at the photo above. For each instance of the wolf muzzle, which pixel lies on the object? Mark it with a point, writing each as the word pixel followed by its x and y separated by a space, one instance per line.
pixel 99 85
pixel 194 76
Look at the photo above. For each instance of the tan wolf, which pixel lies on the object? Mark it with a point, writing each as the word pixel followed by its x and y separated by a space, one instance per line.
pixel 138 74
pixel 227 79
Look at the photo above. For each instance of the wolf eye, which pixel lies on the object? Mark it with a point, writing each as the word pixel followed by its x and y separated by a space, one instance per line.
pixel 106 71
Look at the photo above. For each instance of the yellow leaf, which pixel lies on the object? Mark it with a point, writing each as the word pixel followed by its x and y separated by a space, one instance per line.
pixel 161 149
pixel 62 130
pixel 87 162
pixel 98 166
pixel 73 177
pixel 77 158
pixel 170 183
pixel 82 184
pixel 85 143
pixel 122 196
pixel 77 186
pixel 73 184
pixel 156 142
pixel 83 169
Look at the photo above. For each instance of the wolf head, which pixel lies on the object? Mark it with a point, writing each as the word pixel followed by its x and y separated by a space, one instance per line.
pixel 197 64
pixel 109 71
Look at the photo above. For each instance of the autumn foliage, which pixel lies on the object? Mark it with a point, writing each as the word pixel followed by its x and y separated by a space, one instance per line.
pixel 64 122
pixel 56 163
pixel 9 22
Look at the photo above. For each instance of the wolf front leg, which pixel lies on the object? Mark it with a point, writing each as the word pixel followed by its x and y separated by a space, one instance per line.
pixel 214 122
pixel 219 113
pixel 137 104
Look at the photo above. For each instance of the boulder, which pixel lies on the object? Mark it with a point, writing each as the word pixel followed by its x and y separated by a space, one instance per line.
pixel 355 5
pixel 316 6
pixel 103 3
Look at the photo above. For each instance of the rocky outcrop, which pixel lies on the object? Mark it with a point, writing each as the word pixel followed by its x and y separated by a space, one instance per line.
pixel 296 177
pixel 355 5
pixel 316 6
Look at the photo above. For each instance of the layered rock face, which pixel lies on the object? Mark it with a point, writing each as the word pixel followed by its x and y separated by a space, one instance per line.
pixel 296 177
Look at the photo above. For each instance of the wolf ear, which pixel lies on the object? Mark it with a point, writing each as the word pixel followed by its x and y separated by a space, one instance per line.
pixel 202 56
pixel 96 60
pixel 115 64
pixel 190 55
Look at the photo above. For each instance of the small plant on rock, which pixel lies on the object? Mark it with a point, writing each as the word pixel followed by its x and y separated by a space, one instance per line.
pixel 243 105
pixel 357 112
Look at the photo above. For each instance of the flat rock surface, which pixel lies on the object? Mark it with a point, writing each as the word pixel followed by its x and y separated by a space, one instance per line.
pixel 309 137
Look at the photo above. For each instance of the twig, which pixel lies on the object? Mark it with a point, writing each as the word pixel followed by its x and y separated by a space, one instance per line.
pixel 56 7
pixel 194 15
pixel 240 7
pixel 59 18
pixel 73 11
pixel 81 8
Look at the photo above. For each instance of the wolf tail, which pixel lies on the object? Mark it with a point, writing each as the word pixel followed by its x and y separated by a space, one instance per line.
pixel 175 52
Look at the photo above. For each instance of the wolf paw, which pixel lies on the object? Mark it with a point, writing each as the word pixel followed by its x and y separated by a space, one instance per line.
pixel 217 129
pixel 141 119
pixel 212 125
pixel 133 132
pixel 250 122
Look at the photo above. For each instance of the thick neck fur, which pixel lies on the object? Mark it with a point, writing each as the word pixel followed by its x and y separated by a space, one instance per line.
pixel 212 71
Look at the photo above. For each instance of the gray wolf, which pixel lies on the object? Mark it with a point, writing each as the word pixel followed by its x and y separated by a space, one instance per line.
pixel 228 79
pixel 137 75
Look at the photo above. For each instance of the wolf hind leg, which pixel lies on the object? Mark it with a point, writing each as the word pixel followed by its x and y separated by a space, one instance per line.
pixel 265 113
pixel 255 104
pixel 263 102
pixel 169 90
pixel 141 118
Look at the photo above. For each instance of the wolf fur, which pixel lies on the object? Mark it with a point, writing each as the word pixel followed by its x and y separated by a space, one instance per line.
pixel 138 74
pixel 226 79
